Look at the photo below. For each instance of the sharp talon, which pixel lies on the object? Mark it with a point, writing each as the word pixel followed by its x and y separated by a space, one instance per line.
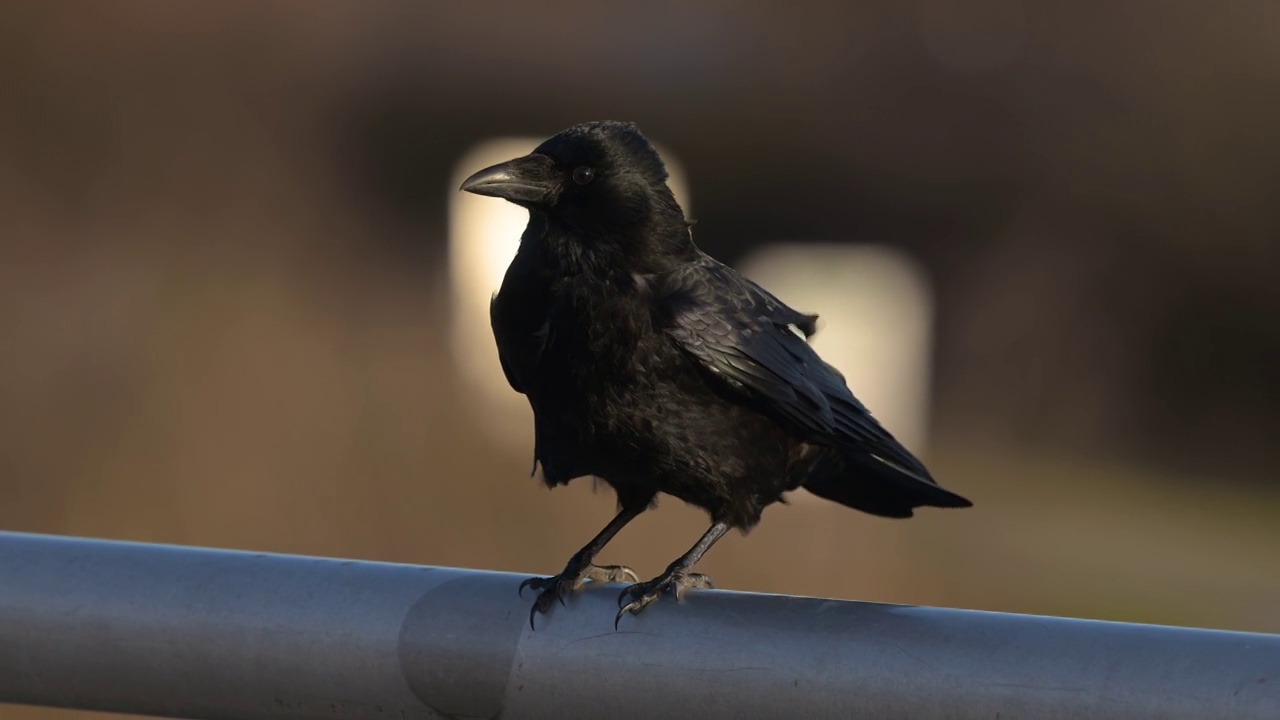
pixel 618 618
pixel 575 575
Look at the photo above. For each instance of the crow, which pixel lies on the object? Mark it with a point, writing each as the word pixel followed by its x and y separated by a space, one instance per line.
pixel 657 369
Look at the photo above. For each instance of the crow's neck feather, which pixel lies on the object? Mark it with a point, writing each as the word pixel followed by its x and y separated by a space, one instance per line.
pixel 659 242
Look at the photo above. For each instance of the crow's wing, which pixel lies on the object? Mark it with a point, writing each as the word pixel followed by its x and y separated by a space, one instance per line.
pixel 756 345
pixel 520 315
pixel 518 352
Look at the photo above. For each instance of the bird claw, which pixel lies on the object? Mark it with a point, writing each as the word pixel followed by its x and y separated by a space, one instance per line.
pixel 644 594
pixel 604 574
pixel 557 587
pixel 534 582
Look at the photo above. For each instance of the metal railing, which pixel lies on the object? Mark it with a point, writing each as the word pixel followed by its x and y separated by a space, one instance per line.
pixel 202 633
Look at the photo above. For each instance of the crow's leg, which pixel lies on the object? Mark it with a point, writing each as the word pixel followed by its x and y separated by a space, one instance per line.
pixel 580 568
pixel 677 577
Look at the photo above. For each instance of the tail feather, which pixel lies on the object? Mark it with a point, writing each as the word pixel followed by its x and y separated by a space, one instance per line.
pixel 865 482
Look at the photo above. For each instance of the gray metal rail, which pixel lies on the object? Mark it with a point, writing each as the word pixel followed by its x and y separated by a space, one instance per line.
pixel 200 633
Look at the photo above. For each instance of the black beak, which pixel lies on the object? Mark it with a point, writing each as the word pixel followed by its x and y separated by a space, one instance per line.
pixel 529 180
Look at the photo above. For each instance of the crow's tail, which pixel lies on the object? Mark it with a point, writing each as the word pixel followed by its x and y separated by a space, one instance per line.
pixel 857 479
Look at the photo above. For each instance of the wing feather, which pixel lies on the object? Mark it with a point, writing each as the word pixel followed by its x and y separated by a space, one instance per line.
pixel 742 334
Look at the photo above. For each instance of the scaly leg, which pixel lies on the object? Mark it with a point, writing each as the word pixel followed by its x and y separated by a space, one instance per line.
pixel 580 568
pixel 677 577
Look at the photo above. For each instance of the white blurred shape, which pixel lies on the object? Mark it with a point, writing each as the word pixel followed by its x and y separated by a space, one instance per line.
pixel 875 321
pixel 484 233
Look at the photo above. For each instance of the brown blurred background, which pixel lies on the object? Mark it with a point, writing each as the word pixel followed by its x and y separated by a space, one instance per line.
pixel 224 307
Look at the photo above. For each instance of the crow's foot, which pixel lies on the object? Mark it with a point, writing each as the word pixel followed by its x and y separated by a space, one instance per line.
pixel 643 594
pixel 557 587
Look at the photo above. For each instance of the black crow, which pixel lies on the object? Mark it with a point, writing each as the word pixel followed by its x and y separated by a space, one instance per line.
pixel 657 369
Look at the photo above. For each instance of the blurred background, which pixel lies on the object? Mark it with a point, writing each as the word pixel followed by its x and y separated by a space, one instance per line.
pixel 232 310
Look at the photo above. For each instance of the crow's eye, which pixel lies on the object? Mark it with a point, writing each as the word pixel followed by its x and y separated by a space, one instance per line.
pixel 583 175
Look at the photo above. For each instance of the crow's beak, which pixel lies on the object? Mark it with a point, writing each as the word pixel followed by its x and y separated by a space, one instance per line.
pixel 529 180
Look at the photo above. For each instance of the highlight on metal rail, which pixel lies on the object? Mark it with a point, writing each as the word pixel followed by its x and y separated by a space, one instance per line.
pixel 202 633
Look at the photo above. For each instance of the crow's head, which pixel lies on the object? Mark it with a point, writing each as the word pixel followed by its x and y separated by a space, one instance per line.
pixel 594 176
